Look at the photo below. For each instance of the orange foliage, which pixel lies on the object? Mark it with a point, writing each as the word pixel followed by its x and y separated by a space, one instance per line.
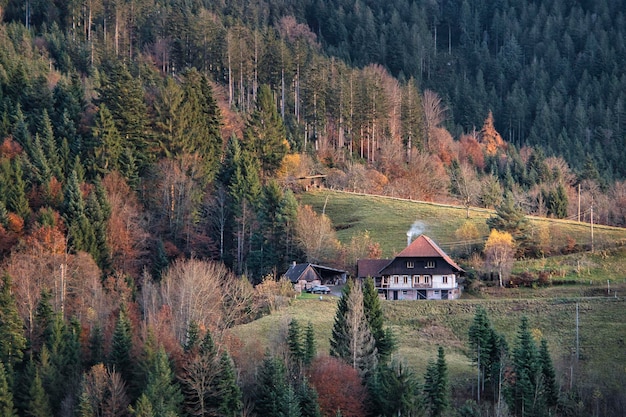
pixel 10 148
pixel 46 239
pixel 490 137
pixel 339 387
pixel 126 235
pixel 15 223
pixel 470 151
pixel 7 240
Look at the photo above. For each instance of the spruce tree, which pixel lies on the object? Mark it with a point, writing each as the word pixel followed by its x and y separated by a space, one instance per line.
pixel 16 200
pixel 7 408
pixel 310 345
pixel 527 370
pixel 551 389
pixel 290 404
pixel 39 402
pixel 271 387
pixel 339 338
pixel 163 391
pixel 294 340
pixel 143 407
pixel 436 388
pixel 307 394
pixel 265 135
pixel 12 340
pixel 362 353
pixel 230 401
pixel 385 341
pixel 121 346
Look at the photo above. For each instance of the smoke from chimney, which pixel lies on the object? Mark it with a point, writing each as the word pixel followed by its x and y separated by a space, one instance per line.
pixel 417 228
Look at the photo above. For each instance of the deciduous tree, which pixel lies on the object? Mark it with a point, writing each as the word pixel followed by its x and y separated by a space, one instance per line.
pixel 499 251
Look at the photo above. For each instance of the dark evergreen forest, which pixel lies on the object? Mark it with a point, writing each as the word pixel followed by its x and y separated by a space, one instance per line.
pixel 152 150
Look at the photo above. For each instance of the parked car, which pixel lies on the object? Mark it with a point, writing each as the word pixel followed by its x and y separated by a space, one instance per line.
pixel 319 289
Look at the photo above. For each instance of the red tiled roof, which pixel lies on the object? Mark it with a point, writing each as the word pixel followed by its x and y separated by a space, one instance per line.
pixel 423 247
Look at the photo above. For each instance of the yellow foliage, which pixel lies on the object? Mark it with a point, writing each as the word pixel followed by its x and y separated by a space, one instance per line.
pixel 498 238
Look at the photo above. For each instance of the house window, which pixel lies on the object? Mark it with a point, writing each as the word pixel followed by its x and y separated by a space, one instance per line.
pixel 406 279
pixel 410 265
pixel 416 279
pixel 396 279
pixel 427 279
pixel 445 279
pixel 430 264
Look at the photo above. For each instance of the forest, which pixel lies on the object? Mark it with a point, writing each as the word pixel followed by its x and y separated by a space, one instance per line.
pixel 152 153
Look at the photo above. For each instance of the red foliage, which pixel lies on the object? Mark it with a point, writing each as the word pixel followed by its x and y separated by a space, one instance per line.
pixel 339 387
pixel 10 148
pixel 471 151
pixel 46 239
pixel 15 223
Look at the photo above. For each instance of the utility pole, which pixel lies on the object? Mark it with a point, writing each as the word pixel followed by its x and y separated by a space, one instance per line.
pixel 591 218
pixel 579 202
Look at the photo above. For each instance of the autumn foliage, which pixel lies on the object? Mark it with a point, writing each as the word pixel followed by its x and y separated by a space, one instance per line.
pixel 339 387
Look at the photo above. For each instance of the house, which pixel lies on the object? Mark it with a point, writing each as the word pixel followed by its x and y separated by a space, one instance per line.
pixel 422 271
pixel 307 275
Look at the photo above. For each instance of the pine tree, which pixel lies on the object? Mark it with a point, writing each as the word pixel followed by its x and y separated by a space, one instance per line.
pixel 12 340
pixel 7 408
pixel 163 391
pixel 395 390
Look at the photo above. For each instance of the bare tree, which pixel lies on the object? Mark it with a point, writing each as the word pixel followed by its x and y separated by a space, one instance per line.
pixel 435 112
pixel 316 235
pixel 465 185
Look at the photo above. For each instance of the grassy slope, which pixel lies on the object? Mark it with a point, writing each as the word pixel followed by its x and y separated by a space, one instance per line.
pixel 422 326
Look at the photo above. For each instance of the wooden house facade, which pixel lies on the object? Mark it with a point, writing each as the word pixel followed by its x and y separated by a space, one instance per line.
pixel 422 271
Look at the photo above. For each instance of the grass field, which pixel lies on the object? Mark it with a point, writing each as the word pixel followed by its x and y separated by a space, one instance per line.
pixel 421 327
pixel 388 220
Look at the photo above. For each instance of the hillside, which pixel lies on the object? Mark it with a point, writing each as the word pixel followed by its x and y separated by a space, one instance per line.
pixel 422 326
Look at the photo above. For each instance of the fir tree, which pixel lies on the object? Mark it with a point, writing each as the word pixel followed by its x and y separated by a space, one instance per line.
pixel 290 404
pixel 107 142
pixel 143 407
